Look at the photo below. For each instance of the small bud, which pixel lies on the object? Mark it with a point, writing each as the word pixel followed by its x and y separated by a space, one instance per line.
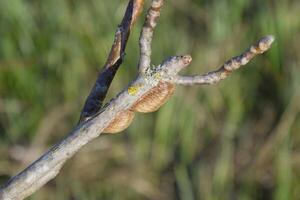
pixel 265 42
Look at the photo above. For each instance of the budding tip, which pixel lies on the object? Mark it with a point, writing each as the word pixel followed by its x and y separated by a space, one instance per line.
pixel 265 42
pixel 187 59
pixel 270 39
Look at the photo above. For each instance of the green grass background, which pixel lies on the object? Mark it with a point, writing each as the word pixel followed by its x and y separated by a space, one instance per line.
pixel 238 139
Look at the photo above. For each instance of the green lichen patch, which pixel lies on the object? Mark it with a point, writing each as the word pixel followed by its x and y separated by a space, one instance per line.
pixel 132 90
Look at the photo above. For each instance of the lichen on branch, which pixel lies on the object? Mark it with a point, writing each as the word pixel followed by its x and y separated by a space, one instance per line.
pixel 147 93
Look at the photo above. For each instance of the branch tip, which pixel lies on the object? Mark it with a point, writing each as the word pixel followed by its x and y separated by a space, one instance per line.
pixel 266 42
pixel 231 65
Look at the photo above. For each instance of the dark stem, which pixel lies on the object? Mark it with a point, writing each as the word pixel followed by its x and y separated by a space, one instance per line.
pixel 98 93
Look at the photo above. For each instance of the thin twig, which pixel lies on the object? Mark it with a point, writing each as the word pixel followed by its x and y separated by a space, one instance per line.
pixel 147 35
pixel 98 93
pixel 225 70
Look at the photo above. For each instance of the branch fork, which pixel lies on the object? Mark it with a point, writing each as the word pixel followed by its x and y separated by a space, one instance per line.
pixel 150 90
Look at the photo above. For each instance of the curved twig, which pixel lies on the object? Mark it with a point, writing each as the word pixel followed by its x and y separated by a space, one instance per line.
pixel 225 70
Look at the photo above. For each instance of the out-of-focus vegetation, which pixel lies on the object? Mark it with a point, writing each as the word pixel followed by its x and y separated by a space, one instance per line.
pixel 236 140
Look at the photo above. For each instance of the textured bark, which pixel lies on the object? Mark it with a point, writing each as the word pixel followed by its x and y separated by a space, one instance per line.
pixel 48 166
pixel 233 64
pixel 152 83
pixel 147 34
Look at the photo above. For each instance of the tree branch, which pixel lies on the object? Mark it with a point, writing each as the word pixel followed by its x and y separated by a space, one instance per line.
pixel 48 166
pixel 147 35
pixel 225 70
pixel 98 93
pixel 148 82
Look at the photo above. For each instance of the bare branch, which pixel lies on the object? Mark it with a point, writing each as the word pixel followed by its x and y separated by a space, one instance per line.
pixel 98 93
pixel 233 64
pixel 49 165
pixel 150 82
pixel 147 34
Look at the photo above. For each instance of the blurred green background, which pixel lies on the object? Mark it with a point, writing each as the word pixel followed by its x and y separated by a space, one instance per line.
pixel 235 140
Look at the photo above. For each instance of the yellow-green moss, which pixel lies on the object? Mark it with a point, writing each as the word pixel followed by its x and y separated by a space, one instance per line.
pixel 134 89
